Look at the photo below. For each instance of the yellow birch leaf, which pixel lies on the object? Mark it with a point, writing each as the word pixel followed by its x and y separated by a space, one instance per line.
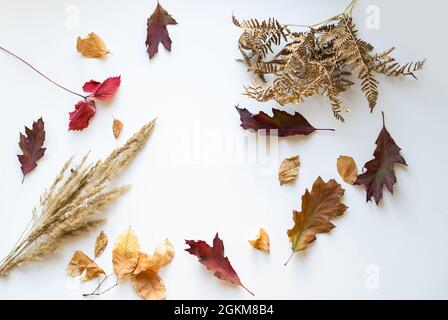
pixel 289 170
pixel 92 46
pixel 149 285
pixel 117 125
pixel 347 169
pixel 100 244
pixel 125 253
pixel 262 242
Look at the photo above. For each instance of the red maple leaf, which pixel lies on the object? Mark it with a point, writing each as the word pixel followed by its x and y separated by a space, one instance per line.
pixel 79 119
pixel 380 171
pixel 157 31
pixel 31 145
pixel 102 90
pixel 213 258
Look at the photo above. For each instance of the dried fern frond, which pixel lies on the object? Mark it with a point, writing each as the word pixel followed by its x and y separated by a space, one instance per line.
pixel 317 62
pixel 71 203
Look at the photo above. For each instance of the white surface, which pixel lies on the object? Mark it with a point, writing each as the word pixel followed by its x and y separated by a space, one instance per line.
pixel 181 186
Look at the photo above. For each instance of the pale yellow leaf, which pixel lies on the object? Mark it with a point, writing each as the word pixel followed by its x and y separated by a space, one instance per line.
pixel 126 253
pixel 149 285
pixel 92 46
pixel 347 169
pixel 117 125
pixel 100 244
pixel 289 170
pixel 262 241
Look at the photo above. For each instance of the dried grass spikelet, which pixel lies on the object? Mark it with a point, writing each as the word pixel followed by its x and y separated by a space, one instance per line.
pixel 315 62
pixel 69 206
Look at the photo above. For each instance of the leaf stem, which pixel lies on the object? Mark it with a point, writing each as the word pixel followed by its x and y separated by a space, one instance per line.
pixel 248 290
pixel 41 74
pixel 96 293
pixel 289 259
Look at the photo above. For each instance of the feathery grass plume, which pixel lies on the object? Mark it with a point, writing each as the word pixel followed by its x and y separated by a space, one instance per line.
pixel 69 206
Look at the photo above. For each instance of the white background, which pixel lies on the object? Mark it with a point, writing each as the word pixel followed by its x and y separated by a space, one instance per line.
pixel 181 186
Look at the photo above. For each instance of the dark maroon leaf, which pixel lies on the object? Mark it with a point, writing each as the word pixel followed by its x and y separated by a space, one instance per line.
pixel 31 145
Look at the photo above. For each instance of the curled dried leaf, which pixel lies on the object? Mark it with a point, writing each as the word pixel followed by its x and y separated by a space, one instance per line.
pixel 125 254
pixel 149 285
pixel 117 125
pixel 100 244
pixel 261 242
pixel 81 263
pixel 92 271
pixel 92 46
pixel 163 254
pixel 289 170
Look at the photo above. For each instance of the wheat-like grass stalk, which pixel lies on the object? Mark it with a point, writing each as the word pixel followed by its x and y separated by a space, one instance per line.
pixel 69 206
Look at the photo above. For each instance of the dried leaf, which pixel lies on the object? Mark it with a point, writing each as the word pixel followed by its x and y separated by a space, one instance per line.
pixel 213 258
pixel 157 31
pixel 102 90
pixel 92 46
pixel 262 242
pixel 347 169
pixel 319 206
pixel 81 263
pixel 380 171
pixel 284 123
pixel 289 170
pixel 100 244
pixel 31 145
pixel 163 255
pixel 117 125
pixel 84 111
pixel 149 285
pixel 126 253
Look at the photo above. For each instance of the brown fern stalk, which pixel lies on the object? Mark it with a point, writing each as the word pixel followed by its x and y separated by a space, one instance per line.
pixel 72 202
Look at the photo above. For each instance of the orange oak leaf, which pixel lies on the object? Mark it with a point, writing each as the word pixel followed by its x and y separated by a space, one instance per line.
pixel 31 143
pixel 319 206
pixel 157 32
pixel 213 258
pixel 380 171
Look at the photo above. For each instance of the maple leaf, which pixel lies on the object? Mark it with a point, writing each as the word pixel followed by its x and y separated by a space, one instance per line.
pixel 213 258
pixel 286 124
pixel 289 169
pixel 347 169
pixel 319 206
pixel 79 119
pixel 380 171
pixel 157 31
pixel 31 143
pixel 262 242
pixel 126 253
pixel 102 90
pixel 92 46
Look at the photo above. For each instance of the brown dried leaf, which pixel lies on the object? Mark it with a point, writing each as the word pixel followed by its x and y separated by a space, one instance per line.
pixel 92 271
pixel 125 254
pixel 149 285
pixel 117 125
pixel 81 263
pixel 347 169
pixel 92 46
pixel 262 242
pixel 163 254
pixel 100 244
pixel 289 170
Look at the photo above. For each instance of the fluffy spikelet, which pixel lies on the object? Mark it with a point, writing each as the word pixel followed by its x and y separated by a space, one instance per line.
pixel 69 206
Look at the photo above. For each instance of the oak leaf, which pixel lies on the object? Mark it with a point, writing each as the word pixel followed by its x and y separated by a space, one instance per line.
pixel 100 243
pixel 102 90
pixel 289 169
pixel 125 254
pixel 319 206
pixel 149 285
pixel 31 143
pixel 84 111
pixel 380 171
pixel 92 46
pixel 347 169
pixel 262 242
pixel 81 263
pixel 281 123
pixel 157 32
pixel 213 258
pixel 117 126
